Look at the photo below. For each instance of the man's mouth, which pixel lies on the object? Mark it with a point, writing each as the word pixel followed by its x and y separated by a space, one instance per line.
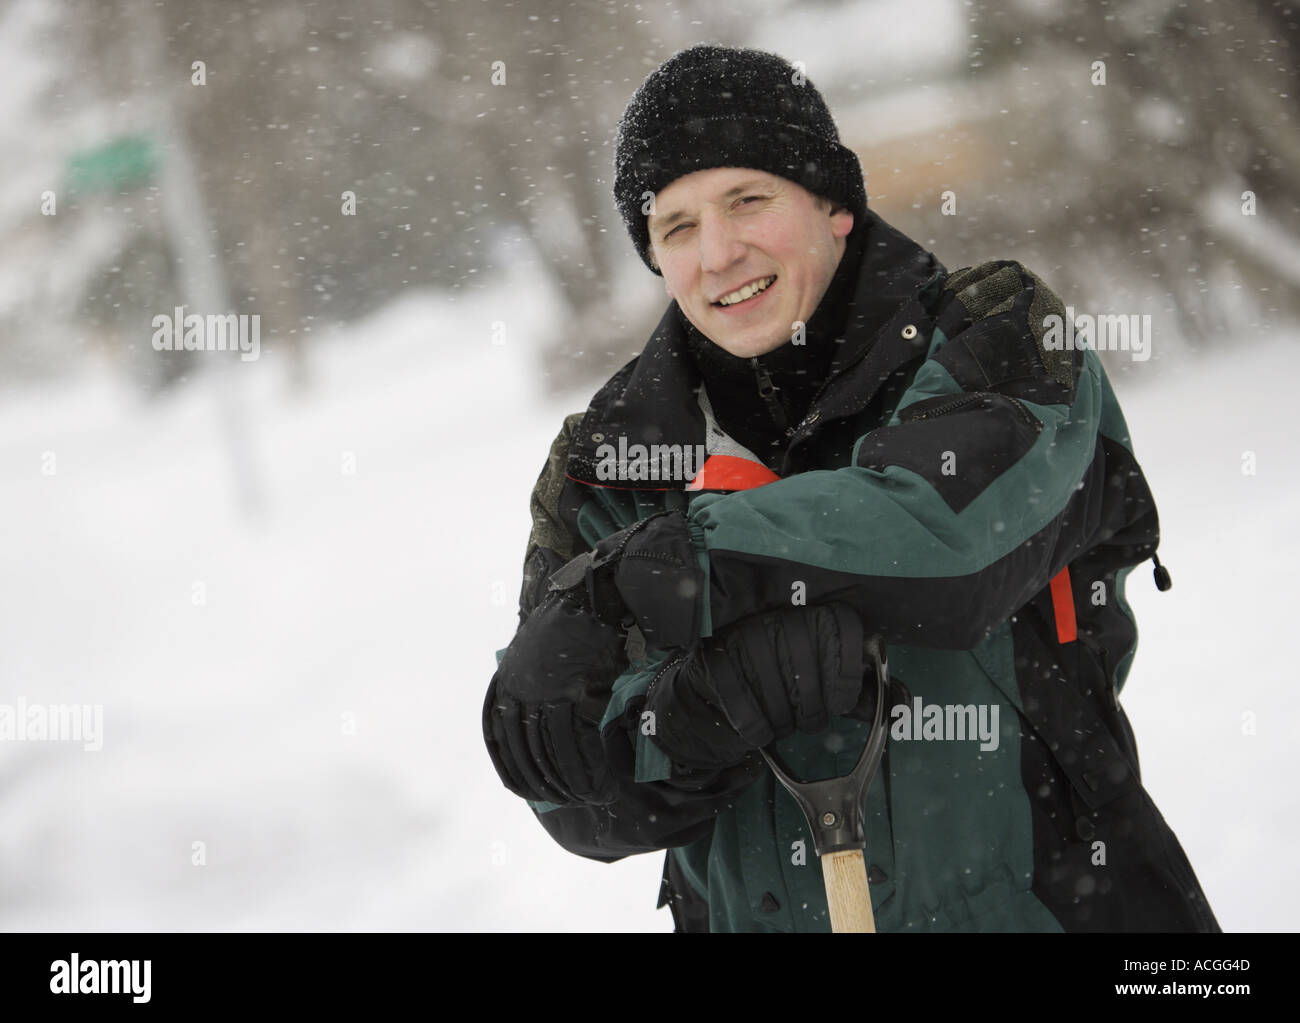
pixel 746 293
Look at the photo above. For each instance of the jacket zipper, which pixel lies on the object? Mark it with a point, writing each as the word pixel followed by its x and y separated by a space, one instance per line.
pixel 972 399
pixel 767 391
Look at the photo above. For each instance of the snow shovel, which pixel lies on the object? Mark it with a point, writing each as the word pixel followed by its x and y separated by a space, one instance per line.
pixel 834 810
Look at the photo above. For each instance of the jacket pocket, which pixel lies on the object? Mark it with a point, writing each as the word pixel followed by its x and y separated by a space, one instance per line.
pixel 961 822
pixel 1071 725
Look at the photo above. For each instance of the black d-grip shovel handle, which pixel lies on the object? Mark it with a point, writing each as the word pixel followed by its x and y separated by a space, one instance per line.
pixel 834 806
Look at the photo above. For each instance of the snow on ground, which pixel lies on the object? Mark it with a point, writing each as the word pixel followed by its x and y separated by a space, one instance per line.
pixel 300 692
pixel 1212 697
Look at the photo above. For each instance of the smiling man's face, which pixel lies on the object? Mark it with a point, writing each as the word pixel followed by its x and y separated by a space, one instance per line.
pixel 717 232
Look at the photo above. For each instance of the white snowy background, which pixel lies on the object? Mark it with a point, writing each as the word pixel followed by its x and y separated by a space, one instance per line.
pixel 299 690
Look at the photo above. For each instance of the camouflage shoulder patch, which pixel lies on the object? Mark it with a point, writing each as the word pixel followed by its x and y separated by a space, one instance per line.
pixel 986 289
pixel 548 531
pixel 990 289
pixel 549 543
pixel 1058 362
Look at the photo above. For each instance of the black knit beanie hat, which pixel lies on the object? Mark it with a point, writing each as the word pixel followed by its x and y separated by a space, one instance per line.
pixel 716 106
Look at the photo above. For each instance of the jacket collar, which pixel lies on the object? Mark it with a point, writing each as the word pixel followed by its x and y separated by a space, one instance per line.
pixel 653 400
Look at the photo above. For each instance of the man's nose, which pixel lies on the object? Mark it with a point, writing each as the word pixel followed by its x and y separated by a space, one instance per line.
pixel 720 247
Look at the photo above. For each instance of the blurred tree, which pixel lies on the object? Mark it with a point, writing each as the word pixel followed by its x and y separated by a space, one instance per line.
pixel 1140 177
pixel 344 157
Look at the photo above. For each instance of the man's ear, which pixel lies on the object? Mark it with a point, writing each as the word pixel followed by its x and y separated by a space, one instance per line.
pixel 841 221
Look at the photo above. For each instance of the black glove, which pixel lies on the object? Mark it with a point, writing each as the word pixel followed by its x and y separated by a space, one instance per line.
pixel 647 574
pixel 541 718
pixel 760 680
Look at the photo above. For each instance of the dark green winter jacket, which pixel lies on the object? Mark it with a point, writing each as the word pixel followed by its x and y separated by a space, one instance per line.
pixel 973 493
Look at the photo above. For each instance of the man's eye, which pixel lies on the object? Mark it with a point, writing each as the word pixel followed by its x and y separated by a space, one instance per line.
pixel 739 202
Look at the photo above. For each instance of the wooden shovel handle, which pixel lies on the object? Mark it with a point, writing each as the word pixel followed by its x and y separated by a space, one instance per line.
pixel 847 892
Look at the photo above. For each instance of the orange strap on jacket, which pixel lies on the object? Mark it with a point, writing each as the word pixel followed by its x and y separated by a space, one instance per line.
pixel 1063 604
pixel 729 472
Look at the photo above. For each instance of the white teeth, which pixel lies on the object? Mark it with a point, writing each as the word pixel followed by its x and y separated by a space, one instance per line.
pixel 748 291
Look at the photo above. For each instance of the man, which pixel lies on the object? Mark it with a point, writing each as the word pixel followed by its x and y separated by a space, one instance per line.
pixel 830 436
